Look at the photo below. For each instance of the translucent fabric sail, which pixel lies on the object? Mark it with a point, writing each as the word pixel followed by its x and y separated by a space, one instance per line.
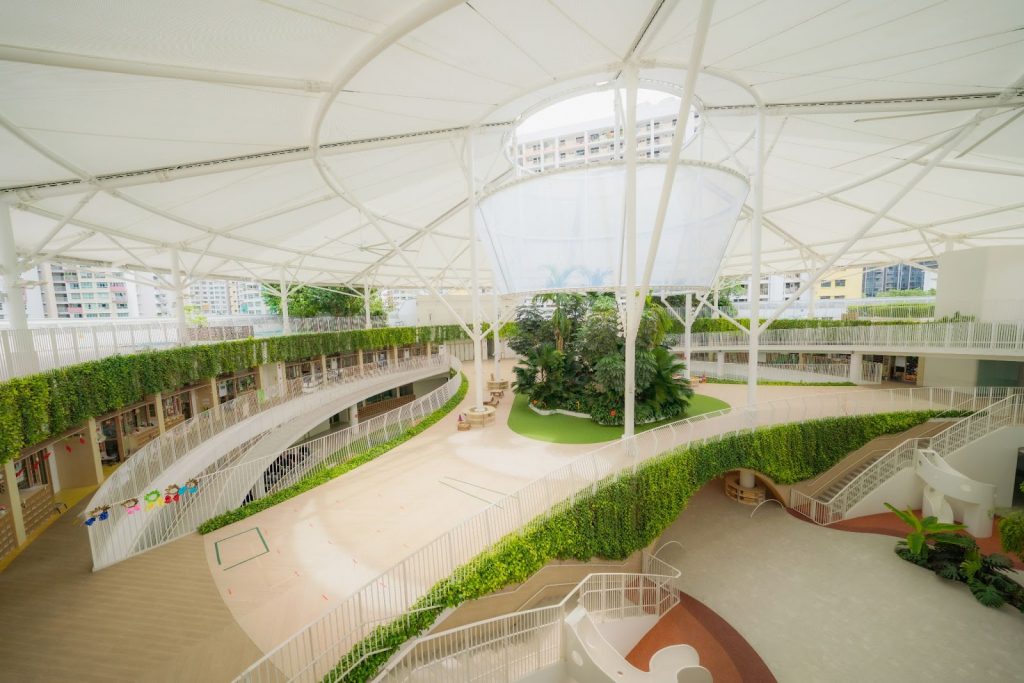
pixel 564 230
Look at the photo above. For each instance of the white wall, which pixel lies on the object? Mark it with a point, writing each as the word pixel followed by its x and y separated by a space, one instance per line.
pixel 992 460
pixel 984 282
pixel 946 371
pixel 903 490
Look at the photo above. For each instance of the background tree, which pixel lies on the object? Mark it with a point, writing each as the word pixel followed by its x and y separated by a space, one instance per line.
pixel 335 302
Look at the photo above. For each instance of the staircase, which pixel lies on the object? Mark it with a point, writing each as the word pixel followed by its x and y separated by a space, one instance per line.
pixel 830 502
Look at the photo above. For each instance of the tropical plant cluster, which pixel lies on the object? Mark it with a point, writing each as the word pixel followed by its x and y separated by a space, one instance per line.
pixel 574 359
pixel 315 479
pixel 625 515
pixel 955 556
pixel 36 407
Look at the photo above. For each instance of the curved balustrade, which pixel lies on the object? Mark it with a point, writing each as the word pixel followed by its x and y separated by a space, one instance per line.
pixel 532 640
pixel 871 373
pixel 314 651
pixel 988 338
pixel 126 535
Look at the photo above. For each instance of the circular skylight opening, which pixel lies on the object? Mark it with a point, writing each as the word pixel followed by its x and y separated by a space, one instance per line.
pixel 588 128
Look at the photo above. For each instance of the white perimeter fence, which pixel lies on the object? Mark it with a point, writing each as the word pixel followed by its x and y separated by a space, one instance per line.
pixel 871 373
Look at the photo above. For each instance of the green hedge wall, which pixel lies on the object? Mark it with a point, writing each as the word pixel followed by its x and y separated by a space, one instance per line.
pixel 36 407
pixel 625 516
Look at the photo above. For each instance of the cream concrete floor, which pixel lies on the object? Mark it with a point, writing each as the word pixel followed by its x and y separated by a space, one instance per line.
pixel 323 546
pixel 825 605
pixel 327 543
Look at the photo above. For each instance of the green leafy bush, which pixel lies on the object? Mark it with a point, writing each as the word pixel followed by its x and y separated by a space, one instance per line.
pixel 313 480
pixel 624 516
pixel 779 383
pixel 37 407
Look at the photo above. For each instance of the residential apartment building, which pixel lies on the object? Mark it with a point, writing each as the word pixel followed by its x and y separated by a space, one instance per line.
pixel 226 297
pixel 843 284
pixel 597 140
pixel 74 292
pixel 899 277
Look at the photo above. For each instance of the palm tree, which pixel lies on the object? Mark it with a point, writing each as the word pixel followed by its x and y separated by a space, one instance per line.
pixel 668 392
pixel 928 531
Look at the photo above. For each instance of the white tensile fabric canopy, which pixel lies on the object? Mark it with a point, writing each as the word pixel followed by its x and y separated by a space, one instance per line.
pixel 324 140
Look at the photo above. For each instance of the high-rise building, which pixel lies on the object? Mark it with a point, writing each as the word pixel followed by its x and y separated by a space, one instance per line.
pixel 226 297
pixel 899 277
pixel 246 298
pixel 68 291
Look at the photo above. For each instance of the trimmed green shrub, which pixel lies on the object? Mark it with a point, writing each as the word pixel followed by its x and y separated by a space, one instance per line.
pixel 40 406
pixel 313 480
pixel 624 516
pixel 779 383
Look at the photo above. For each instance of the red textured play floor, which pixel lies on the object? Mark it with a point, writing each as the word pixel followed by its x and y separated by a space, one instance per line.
pixel 723 651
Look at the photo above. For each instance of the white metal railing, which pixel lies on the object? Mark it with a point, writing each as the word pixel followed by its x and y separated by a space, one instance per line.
pixel 232 479
pixel 871 373
pixel 49 344
pixel 312 652
pixel 870 308
pixel 988 418
pixel 999 338
pixel 142 468
pixel 507 648
pixel 23 352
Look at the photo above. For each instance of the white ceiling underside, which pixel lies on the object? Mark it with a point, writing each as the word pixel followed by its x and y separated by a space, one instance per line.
pixel 111 111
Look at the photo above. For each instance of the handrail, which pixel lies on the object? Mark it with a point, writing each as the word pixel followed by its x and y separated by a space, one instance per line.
pixel 223 484
pixel 986 420
pixel 871 372
pixel 139 470
pixel 997 336
pixel 390 595
pixel 592 592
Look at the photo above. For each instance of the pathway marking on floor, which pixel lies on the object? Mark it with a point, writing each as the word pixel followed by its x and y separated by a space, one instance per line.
pixel 459 483
pixel 244 546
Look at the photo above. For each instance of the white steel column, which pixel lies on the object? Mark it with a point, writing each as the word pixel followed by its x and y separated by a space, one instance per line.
pixel 478 361
pixel 632 307
pixel 856 367
pixel 687 338
pixel 754 291
pixel 46 274
pixel 497 338
pixel 25 359
pixel 715 313
pixel 366 306
pixel 179 298
pixel 283 288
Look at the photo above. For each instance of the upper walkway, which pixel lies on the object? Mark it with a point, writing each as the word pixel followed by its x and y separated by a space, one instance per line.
pixel 981 339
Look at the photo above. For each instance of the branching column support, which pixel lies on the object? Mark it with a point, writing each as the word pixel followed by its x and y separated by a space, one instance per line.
pixel 25 358
pixel 633 308
pixel 497 338
pixel 688 329
pixel 754 292
pixel 178 287
pixel 366 306
pixel 283 288
pixel 478 361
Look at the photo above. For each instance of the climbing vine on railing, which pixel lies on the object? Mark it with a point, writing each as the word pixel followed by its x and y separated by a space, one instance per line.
pixel 626 515
pixel 36 407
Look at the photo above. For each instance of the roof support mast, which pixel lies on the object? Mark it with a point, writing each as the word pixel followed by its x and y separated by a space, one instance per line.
pixel 474 289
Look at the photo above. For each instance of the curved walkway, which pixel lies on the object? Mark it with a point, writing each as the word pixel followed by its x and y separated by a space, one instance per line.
pixel 283 568
pixel 825 605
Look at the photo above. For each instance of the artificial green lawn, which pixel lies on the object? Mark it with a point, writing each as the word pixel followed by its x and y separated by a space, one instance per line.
pixel 564 429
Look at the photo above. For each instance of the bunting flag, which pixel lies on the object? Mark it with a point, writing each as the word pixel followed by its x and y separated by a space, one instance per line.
pixel 172 494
